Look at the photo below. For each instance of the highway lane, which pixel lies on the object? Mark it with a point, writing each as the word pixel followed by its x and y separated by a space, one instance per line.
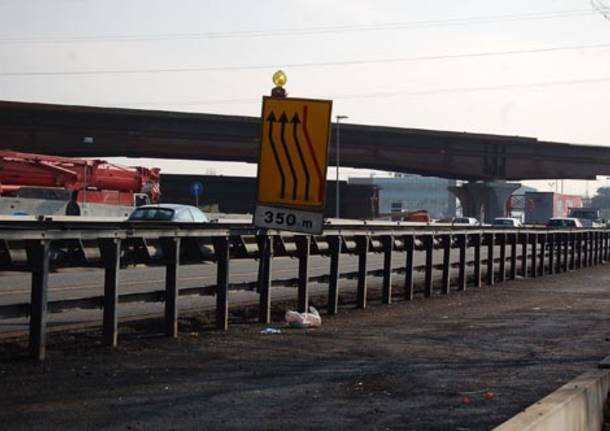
pixel 80 283
pixel 70 284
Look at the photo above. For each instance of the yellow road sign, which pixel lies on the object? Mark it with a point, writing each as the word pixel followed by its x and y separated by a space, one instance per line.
pixel 293 154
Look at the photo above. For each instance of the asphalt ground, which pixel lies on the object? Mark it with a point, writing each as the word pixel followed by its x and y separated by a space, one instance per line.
pixel 468 361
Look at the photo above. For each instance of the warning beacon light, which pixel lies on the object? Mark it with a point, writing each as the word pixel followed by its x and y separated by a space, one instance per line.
pixel 279 79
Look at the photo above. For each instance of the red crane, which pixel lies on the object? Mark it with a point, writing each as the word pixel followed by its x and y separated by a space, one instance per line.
pixel 95 181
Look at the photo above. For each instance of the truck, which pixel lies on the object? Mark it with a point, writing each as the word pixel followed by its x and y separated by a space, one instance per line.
pixel 539 207
pixel 589 217
pixel 37 184
pixel 421 216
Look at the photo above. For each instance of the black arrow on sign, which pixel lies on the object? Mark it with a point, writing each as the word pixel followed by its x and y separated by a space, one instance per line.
pixel 271 119
pixel 295 124
pixel 283 120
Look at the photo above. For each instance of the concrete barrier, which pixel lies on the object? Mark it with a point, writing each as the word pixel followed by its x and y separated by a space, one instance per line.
pixel 576 406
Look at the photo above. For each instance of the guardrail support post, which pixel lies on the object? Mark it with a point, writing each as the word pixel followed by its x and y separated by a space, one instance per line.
pixel 303 243
pixel 38 259
pixel 446 280
pixel 502 241
pixel 491 246
pixel 386 289
pixel 566 251
pixel 542 257
pixel 572 238
pixel 524 243
pixel 409 247
pixel 592 256
pixel 594 246
pixel 110 250
pixel 598 247
pixel 334 246
pixel 513 255
pixel 429 247
pixel 363 250
pixel 477 259
pixel 585 249
pixel 590 248
pixel 171 255
pixel 578 250
pixel 551 238
pixel 560 252
pixel 462 244
pixel 223 265
pixel 265 249
pixel 605 245
pixel 534 239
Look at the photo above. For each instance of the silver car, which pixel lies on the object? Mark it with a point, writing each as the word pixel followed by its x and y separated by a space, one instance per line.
pixel 169 213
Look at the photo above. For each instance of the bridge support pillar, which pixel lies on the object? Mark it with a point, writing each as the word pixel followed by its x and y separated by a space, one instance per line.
pixel 484 200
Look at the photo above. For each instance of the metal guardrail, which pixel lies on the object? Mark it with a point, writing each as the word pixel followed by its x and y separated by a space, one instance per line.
pixel 39 246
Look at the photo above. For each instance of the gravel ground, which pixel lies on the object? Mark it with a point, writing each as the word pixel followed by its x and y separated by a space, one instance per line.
pixel 465 362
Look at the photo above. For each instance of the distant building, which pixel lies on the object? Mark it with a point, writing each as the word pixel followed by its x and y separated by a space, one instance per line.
pixel 238 195
pixel 406 192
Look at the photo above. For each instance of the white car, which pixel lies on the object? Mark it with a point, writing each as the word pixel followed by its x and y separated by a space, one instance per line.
pixel 470 221
pixel 168 213
pixel 563 222
pixel 507 222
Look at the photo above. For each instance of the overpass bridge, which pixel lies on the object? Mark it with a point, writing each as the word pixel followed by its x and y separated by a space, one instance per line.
pixel 486 160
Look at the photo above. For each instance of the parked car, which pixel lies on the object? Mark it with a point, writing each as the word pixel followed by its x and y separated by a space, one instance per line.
pixel 470 221
pixel 168 213
pixel 588 217
pixel 507 222
pixel 563 222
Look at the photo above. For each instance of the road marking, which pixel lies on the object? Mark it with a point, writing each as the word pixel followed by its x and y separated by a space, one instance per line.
pixel 295 183
pixel 321 178
pixel 271 119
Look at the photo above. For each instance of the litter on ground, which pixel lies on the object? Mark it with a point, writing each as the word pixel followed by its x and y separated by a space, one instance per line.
pixel 304 320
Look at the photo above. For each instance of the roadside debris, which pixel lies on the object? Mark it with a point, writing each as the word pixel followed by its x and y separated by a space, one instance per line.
pixel 489 395
pixel 304 320
pixel 270 331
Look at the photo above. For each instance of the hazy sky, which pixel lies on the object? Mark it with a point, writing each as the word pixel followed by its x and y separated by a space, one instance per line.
pixel 521 67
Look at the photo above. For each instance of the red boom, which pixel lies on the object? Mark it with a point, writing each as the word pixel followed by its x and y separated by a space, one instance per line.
pixel 103 181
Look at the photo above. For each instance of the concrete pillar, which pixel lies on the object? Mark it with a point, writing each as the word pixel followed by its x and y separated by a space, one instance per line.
pixel 484 200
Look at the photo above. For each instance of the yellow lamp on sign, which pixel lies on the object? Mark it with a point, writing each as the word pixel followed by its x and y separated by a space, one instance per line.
pixel 279 78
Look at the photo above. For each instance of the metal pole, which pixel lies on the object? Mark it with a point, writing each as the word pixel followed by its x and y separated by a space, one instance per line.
pixel 85 191
pixel 337 169
pixel 337 162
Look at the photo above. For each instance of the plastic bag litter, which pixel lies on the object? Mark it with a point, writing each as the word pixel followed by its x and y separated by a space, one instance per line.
pixel 304 320
pixel 270 331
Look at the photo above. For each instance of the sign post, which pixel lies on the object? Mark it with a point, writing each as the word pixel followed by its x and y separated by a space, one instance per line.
pixel 196 189
pixel 293 160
